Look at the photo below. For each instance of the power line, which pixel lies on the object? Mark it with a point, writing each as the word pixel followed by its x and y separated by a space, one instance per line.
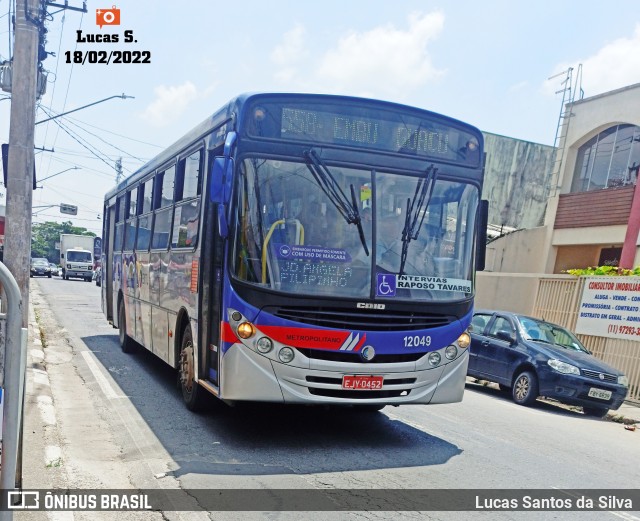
pixel 115 133
pixel 53 93
pixel 107 143
pixel 78 140
pixel 66 96
pixel 70 152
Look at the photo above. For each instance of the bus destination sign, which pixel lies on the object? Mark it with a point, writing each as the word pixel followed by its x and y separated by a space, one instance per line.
pixel 375 129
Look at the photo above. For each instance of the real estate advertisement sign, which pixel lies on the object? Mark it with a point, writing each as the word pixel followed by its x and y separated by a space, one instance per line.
pixel 610 307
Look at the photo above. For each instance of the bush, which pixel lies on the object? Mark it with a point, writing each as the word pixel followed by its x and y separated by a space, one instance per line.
pixel 611 271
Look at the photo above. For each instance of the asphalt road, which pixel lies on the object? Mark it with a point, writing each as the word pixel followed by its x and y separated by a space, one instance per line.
pixel 143 436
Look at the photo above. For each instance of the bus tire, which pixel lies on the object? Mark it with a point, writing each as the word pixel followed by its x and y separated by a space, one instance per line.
pixel 126 343
pixel 192 394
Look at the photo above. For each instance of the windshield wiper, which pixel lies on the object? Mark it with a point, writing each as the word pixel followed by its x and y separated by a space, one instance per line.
pixel 327 182
pixel 416 206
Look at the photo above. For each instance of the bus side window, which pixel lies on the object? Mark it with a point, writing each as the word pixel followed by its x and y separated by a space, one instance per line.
pixel 119 235
pixel 186 215
pixel 130 235
pixel 191 173
pixel 144 232
pixel 146 197
pixel 117 243
pixel 163 205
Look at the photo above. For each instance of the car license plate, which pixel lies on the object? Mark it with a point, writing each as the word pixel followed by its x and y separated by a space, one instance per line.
pixel 362 382
pixel 599 393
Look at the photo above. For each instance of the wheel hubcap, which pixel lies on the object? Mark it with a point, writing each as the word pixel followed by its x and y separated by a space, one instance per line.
pixel 522 387
pixel 186 367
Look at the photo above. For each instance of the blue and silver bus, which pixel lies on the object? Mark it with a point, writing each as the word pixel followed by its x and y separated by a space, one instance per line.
pixel 302 248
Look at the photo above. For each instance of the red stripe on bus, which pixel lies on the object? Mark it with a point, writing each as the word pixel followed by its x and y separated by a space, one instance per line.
pixel 306 338
pixel 227 334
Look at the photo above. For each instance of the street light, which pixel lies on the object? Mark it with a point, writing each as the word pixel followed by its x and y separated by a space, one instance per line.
pixel 122 96
pixel 53 175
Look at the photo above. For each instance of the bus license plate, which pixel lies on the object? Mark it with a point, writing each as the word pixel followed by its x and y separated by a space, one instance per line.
pixel 599 393
pixel 362 383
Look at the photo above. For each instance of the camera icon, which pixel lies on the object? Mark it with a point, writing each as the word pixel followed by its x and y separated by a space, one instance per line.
pixel 23 500
pixel 108 16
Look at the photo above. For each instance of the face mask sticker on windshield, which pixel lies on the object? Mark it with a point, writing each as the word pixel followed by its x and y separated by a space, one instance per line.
pixel 385 285
pixel 312 253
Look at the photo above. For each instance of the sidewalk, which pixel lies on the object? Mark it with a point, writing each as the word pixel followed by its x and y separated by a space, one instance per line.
pixel 69 442
pixel 628 412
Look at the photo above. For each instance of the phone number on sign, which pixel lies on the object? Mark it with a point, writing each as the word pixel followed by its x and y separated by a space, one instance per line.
pixel 623 330
pixel 107 57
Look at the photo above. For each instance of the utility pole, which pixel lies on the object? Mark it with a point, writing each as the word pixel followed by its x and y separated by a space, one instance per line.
pixel 19 199
pixel 21 141
pixel 118 170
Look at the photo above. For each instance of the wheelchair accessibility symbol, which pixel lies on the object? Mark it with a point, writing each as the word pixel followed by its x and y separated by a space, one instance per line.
pixel 386 285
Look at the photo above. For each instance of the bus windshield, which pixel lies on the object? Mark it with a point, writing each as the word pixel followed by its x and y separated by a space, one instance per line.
pixel 319 229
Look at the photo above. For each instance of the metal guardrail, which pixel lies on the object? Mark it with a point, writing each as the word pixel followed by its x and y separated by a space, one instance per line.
pixel 12 383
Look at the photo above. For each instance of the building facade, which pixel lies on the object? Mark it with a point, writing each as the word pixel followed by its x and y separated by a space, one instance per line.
pixel 593 211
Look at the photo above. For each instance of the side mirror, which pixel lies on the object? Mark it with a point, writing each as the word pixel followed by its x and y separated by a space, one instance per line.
pixel 222 173
pixel 506 336
pixel 216 185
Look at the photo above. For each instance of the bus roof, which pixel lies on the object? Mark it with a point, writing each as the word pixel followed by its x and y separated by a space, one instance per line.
pixel 233 111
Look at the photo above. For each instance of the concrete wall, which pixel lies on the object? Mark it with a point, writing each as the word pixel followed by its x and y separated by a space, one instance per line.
pixel 507 291
pixel 518 252
pixel 515 183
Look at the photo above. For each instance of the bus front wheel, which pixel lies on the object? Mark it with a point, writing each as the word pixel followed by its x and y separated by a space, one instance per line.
pixel 192 393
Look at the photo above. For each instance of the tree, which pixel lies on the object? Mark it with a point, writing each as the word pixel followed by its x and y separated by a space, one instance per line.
pixel 45 236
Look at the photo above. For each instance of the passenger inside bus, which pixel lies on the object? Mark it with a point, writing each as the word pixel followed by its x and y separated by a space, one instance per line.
pixel 315 232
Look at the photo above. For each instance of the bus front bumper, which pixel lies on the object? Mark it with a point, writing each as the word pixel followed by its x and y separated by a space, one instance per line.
pixel 249 376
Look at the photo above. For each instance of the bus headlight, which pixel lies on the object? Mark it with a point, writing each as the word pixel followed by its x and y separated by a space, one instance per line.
pixel 451 352
pixel 246 330
pixel 264 345
pixel 464 340
pixel 285 355
pixel 434 358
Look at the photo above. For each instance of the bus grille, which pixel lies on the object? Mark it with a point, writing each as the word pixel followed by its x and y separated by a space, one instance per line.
pixel 363 395
pixel 354 358
pixel 368 320
pixel 338 381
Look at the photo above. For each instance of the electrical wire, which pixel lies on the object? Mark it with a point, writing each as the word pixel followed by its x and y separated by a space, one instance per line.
pixel 78 140
pixel 114 133
pixel 53 93
pixel 107 143
pixel 66 96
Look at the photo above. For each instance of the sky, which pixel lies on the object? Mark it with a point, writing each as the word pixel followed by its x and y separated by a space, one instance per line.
pixel 486 63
